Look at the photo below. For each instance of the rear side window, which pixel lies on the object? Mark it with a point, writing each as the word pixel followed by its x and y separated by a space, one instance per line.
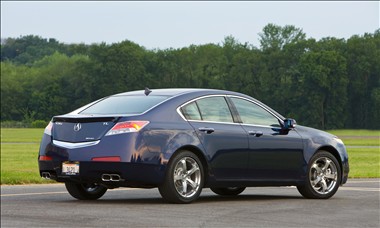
pixel 191 112
pixel 124 105
pixel 208 109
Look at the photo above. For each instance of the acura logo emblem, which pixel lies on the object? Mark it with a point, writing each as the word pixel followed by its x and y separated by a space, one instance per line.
pixel 77 127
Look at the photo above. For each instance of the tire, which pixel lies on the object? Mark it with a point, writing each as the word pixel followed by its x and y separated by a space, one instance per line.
pixel 85 191
pixel 323 177
pixel 230 191
pixel 184 178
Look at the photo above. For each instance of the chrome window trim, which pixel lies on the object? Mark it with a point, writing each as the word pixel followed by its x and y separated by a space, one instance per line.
pixel 69 145
pixel 221 95
pixel 205 121
pixel 241 124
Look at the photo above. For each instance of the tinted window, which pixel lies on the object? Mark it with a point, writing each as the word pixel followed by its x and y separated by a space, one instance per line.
pixel 191 112
pixel 251 113
pixel 214 109
pixel 124 105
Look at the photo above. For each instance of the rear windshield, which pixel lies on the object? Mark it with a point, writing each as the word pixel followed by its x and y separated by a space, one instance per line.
pixel 124 105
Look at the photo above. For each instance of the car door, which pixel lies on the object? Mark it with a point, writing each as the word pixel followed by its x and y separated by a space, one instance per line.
pixel 225 142
pixel 273 154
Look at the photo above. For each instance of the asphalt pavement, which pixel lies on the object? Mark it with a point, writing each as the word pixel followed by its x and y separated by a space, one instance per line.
pixel 356 204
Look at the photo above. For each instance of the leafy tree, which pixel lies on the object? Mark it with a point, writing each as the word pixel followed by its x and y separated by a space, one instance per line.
pixel 275 37
pixel 329 83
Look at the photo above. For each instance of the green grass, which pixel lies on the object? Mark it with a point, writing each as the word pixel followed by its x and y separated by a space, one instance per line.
pixel 358 137
pixel 353 132
pixel 19 163
pixel 364 162
pixel 21 134
pixel 361 142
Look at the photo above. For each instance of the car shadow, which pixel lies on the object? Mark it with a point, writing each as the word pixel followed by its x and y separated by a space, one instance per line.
pixel 200 200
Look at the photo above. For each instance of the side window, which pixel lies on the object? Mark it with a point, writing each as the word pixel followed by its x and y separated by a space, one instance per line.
pixel 191 112
pixel 251 113
pixel 214 109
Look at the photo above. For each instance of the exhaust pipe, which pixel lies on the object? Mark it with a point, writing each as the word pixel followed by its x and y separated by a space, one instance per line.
pixel 111 177
pixel 46 175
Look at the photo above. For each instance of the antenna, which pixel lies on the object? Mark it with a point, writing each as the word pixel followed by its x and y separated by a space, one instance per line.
pixel 147 91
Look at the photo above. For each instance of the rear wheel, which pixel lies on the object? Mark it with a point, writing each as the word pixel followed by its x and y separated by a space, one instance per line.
pixel 230 191
pixel 184 178
pixel 323 177
pixel 85 191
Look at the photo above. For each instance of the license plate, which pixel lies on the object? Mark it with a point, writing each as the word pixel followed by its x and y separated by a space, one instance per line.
pixel 70 168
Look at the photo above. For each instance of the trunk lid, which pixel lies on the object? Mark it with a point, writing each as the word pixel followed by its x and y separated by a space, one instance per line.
pixel 81 129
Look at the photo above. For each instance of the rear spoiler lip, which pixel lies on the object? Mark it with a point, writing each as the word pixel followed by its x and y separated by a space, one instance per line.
pixel 84 119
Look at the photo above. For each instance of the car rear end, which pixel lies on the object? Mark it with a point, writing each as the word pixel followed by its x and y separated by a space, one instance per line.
pixel 102 143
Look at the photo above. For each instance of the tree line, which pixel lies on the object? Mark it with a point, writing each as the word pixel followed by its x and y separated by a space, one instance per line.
pixel 329 83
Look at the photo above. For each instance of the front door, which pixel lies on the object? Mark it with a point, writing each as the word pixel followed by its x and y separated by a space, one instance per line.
pixel 273 155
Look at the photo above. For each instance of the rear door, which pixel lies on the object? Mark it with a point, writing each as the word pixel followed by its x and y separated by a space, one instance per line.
pixel 225 142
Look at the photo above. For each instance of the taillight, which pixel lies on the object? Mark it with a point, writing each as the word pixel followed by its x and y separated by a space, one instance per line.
pixel 126 127
pixel 48 128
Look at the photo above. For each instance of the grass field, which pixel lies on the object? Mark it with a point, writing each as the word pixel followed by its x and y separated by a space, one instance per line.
pixel 358 137
pixel 19 152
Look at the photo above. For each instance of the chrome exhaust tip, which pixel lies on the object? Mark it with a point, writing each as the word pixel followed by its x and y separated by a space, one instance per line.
pixel 106 177
pixel 111 177
pixel 115 177
pixel 46 175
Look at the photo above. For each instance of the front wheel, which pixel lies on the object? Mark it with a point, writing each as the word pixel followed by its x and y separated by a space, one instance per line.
pixel 85 191
pixel 230 191
pixel 184 178
pixel 323 177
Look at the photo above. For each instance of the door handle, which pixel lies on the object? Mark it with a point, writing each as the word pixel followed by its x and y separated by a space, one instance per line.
pixel 208 130
pixel 256 133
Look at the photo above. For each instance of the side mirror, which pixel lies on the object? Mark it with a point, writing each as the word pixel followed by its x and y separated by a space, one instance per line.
pixel 289 123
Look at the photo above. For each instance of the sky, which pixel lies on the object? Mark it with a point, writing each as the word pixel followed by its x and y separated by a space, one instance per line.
pixel 170 24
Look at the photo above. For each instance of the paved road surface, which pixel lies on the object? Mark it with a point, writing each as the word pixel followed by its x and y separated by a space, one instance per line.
pixel 355 205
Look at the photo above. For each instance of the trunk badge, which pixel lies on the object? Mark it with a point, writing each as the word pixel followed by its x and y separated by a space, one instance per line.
pixel 77 127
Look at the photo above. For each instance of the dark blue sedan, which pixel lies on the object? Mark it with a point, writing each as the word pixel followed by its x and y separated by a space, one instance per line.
pixel 183 140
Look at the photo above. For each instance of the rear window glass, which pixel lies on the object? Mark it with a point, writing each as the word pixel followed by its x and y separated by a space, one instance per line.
pixel 124 105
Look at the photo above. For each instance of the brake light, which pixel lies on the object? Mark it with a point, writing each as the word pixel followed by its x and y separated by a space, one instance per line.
pixel 126 127
pixel 45 158
pixel 48 128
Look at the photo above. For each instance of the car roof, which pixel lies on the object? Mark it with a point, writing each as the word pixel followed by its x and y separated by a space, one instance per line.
pixel 171 92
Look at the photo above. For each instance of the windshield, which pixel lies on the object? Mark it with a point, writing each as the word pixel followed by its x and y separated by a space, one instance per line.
pixel 124 105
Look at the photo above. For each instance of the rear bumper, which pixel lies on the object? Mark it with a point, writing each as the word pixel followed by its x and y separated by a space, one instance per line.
pixel 131 174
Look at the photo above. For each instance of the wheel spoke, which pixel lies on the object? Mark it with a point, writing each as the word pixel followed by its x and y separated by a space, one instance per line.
pixel 316 181
pixel 184 187
pixel 324 186
pixel 193 170
pixel 316 167
pixel 177 177
pixel 192 183
pixel 184 166
pixel 331 176
pixel 327 164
